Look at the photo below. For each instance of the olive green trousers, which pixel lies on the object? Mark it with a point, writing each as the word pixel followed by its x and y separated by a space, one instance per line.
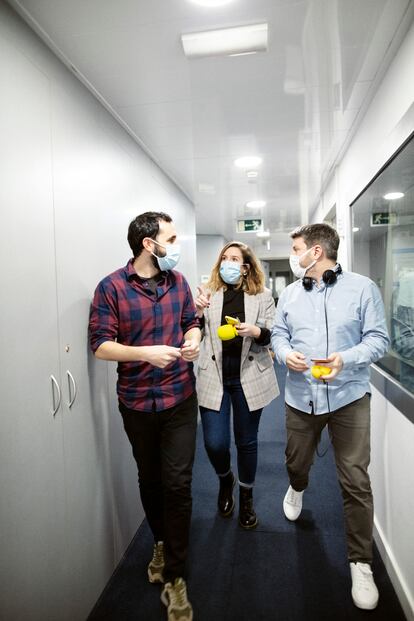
pixel 349 431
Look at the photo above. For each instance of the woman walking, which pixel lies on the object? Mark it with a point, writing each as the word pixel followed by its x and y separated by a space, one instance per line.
pixel 237 372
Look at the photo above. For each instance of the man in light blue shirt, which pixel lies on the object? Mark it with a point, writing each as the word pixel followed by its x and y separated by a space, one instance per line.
pixel 333 319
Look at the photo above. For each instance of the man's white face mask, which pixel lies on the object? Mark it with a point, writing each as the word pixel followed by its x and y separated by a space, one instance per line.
pixel 295 266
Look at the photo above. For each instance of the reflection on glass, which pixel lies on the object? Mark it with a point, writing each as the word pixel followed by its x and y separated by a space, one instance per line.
pixel 383 249
pixel 402 326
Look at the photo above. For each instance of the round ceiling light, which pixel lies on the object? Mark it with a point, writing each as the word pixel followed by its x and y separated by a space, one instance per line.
pixel 392 196
pixel 248 161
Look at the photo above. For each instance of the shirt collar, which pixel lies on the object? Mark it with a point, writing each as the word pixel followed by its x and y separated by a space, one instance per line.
pixel 130 273
pixel 322 285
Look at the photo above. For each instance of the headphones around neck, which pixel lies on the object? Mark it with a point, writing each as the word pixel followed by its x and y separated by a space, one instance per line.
pixel 329 278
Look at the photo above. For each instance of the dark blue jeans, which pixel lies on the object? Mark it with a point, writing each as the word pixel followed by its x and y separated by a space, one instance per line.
pixel 216 428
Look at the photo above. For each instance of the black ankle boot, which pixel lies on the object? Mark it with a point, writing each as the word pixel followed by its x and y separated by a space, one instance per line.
pixel 225 501
pixel 247 516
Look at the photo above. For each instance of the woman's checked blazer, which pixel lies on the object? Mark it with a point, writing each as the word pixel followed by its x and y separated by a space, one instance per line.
pixel 257 375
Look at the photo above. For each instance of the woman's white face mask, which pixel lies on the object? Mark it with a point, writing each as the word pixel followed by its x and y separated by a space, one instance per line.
pixel 295 266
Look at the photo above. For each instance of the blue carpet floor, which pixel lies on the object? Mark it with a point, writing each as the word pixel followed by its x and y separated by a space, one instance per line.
pixel 281 571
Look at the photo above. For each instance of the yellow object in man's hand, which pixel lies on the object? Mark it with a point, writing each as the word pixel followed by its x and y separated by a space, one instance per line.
pixel 318 370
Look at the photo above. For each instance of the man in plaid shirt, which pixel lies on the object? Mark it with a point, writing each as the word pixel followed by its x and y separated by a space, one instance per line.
pixel 143 317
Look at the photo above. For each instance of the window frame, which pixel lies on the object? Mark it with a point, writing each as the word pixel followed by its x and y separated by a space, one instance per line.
pixel 388 386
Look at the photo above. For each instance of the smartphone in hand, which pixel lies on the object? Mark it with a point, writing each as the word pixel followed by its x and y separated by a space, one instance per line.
pixel 231 320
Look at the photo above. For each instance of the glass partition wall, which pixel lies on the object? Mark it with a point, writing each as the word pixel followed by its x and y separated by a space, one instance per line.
pixel 383 249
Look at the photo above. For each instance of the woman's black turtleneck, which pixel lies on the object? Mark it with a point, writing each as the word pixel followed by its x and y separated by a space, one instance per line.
pixel 233 305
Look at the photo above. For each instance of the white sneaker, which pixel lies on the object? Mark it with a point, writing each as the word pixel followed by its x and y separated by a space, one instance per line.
pixel 364 592
pixel 292 504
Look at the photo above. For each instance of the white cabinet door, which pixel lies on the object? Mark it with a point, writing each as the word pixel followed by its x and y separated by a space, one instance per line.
pixel 84 229
pixel 31 443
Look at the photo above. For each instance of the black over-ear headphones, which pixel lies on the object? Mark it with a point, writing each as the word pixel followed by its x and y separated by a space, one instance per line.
pixel 329 278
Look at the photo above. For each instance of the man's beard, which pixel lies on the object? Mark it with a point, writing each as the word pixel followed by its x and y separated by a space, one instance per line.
pixel 154 259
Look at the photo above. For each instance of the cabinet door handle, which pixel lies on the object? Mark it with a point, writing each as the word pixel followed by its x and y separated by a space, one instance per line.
pixel 55 384
pixel 71 381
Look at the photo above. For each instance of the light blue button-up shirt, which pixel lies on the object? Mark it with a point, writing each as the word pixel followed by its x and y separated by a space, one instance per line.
pixel 356 328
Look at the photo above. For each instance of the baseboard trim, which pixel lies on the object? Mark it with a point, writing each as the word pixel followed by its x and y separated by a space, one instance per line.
pixel 391 565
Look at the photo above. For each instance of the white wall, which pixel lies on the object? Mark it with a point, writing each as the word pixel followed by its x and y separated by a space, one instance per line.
pixel 393 483
pixel 97 180
pixel 133 182
pixel 208 248
pixel 388 121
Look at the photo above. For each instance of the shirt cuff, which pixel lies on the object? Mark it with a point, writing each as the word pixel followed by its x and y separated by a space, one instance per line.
pixel 193 324
pixel 283 353
pixel 348 358
pixel 96 343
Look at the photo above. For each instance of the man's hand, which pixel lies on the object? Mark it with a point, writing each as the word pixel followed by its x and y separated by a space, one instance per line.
pixel 335 362
pixel 161 355
pixel 190 350
pixel 247 329
pixel 296 361
pixel 202 300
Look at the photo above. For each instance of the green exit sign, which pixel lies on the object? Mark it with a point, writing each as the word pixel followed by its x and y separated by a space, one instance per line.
pixel 383 218
pixel 249 226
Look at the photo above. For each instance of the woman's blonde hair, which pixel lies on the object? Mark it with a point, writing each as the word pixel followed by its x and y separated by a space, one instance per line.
pixel 252 282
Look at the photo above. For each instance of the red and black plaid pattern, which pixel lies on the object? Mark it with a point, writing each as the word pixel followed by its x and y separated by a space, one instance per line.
pixel 125 310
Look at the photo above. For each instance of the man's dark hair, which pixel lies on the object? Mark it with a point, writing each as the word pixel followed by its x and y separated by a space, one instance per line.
pixel 321 234
pixel 145 225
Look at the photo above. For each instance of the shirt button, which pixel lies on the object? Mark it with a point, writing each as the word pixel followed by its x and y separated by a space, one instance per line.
pixel 251 358
pixel 213 357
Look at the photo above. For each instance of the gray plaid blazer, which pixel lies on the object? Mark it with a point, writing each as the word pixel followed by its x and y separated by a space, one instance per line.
pixel 257 374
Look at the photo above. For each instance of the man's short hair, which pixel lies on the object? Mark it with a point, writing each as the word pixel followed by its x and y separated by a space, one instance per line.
pixel 321 234
pixel 145 225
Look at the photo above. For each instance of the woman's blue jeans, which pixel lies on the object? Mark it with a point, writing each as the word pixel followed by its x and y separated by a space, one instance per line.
pixel 216 429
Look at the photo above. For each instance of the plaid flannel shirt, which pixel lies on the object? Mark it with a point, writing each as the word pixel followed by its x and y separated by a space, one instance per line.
pixel 125 310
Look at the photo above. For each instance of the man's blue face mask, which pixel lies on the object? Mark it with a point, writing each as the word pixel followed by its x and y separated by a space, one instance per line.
pixel 171 257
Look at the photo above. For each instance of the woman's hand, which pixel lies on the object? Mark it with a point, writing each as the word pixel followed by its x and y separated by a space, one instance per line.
pixel 202 301
pixel 247 329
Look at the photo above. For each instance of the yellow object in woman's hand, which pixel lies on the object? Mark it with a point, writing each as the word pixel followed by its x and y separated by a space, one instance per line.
pixel 226 332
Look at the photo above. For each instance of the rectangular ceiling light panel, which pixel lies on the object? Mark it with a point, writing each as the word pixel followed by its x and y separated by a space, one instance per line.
pixel 226 41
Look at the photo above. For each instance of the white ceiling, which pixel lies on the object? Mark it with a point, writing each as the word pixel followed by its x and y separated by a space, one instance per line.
pixel 295 105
